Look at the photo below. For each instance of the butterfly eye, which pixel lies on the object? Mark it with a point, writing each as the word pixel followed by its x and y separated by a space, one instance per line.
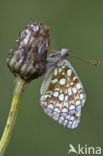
pixel 65 52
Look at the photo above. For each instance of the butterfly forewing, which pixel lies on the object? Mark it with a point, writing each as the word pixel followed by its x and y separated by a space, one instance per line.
pixel 62 94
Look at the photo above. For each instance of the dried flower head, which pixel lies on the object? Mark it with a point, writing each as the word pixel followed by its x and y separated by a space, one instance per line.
pixel 28 59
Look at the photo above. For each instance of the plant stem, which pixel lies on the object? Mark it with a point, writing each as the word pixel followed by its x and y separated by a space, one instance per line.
pixel 12 115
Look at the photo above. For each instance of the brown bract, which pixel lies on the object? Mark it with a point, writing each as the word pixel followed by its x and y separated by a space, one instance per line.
pixel 28 59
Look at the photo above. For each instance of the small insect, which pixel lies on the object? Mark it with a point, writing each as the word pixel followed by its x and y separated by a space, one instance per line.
pixel 62 92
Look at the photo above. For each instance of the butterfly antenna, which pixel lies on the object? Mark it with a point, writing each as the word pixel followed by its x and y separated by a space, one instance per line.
pixel 52 50
pixel 93 62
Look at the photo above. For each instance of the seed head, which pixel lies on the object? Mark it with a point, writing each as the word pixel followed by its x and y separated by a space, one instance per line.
pixel 28 59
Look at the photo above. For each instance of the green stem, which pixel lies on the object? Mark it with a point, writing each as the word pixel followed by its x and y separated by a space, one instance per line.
pixel 12 115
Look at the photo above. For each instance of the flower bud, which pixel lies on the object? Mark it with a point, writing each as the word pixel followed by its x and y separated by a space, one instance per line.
pixel 28 59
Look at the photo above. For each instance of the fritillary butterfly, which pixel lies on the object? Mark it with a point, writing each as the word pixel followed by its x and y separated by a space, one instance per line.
pixel 62 93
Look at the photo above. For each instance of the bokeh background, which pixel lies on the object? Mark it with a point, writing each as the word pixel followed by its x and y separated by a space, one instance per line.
pixel 75 24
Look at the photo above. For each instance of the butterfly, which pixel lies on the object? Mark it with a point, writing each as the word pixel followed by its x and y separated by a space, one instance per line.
pixel 62 92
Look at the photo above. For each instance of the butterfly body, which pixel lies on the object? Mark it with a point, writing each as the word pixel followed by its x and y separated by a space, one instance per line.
pixel 62 93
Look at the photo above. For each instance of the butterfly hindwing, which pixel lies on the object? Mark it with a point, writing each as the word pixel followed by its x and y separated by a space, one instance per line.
pixel 62 94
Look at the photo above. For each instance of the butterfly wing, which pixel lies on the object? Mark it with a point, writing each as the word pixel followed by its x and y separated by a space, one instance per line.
pixel 62 94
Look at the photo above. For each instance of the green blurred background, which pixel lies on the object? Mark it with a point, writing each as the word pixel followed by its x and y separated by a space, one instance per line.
pixel 75 24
